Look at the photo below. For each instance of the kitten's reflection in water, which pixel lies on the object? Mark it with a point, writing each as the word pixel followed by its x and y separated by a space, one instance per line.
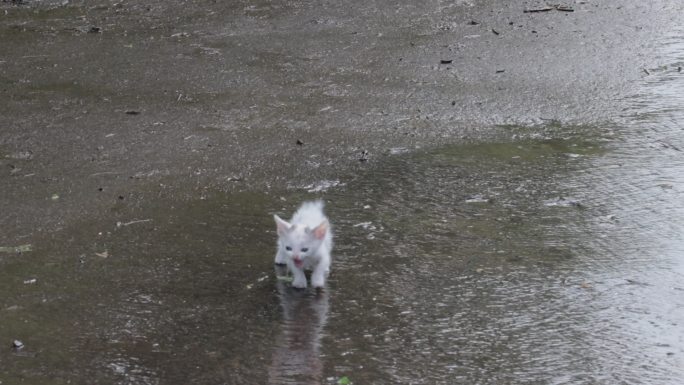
pixel 296 356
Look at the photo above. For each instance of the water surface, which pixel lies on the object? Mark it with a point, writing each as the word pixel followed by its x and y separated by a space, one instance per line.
pixel 554 257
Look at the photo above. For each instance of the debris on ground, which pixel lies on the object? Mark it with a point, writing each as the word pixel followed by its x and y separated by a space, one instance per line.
pixel 562 202
pixel 21 155
pixel 478 198
pixel 124 224
pixel 285 278
pixel 557 7
pixel 403 150
pixel 16 249
pixel 538 10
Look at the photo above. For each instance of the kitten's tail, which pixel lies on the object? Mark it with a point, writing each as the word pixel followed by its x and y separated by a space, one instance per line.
pixel 310 211
pixel 316 205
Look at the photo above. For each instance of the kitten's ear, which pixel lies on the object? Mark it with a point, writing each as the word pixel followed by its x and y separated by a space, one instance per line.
pixel 283 226
pixel 320 230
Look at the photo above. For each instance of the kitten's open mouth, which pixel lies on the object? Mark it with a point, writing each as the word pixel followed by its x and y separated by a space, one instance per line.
pixel 298 262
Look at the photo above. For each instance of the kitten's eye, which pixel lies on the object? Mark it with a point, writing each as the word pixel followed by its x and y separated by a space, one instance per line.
pixel 304 250
pixel 288 248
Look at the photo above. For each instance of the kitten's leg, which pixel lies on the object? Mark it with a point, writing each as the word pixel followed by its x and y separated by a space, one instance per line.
pixel 299 281
pixel 280 258
pixel 321 271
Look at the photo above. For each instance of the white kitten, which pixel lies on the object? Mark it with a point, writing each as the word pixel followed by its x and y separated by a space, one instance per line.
pixel 305 243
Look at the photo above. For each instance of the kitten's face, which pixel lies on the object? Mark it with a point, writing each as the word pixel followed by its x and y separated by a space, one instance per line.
pixel 298 241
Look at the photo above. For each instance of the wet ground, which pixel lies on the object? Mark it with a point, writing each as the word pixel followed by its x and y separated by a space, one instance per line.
pixel 501 239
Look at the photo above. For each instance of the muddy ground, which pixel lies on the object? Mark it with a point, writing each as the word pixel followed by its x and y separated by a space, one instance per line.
pixel 104 99
pixel 497 174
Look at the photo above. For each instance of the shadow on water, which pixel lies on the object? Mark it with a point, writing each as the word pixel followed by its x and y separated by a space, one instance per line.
pixel 297 349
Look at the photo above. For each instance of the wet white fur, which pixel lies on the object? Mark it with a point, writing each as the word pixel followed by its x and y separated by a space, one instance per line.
pixel 309 229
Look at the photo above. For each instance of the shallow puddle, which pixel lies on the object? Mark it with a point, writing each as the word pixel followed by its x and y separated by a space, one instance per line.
pixel 544 260
pixel 553 258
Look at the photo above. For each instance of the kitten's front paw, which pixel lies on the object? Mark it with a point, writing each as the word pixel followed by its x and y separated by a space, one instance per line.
pixel 299 283
pixel 317 282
